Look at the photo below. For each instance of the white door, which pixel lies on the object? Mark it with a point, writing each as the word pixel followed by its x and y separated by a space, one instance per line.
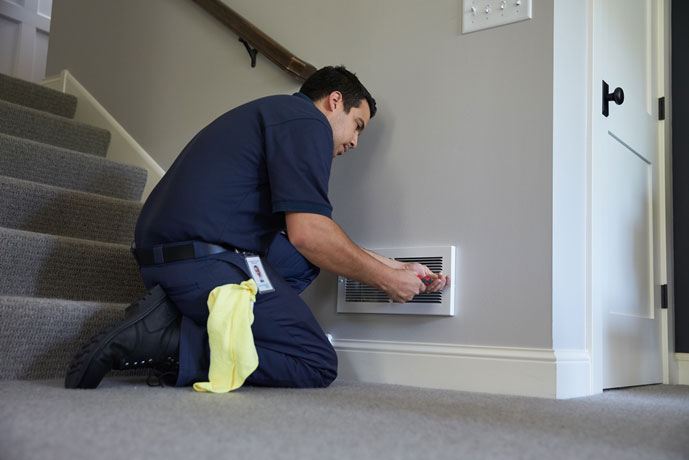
pixel 624 193
pixel 24 32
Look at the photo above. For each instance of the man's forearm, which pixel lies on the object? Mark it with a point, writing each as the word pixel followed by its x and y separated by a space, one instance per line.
pixel 324 244
pixel 387 261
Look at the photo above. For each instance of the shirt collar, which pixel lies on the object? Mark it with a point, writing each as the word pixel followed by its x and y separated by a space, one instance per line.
pixel 302 96
pixel 307 98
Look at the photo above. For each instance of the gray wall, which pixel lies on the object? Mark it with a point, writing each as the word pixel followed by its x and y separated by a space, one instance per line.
pixel 461 151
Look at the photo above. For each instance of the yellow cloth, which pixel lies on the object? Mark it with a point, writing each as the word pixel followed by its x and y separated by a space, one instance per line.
pixel 233 353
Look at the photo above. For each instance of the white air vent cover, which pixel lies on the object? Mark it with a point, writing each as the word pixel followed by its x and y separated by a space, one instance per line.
pixel 355 297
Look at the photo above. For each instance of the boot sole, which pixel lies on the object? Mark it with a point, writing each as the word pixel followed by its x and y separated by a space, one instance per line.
pixel 139 310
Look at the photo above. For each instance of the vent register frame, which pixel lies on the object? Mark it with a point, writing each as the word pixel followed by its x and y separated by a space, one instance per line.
pixel 355 297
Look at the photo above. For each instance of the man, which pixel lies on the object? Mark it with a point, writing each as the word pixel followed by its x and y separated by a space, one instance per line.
pixel 250 189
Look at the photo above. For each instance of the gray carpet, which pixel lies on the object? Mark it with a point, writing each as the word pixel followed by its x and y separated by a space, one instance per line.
pixel 47 164
pixel 66 222
pixel 41 420
pixel 53 210
pixel 37 97
pixel 40 265
pixel 39 336
pixel 17 120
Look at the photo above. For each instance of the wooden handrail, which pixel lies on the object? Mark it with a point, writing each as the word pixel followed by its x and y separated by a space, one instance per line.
pixel 257 39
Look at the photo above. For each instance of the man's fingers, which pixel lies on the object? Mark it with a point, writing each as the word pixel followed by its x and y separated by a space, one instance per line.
pixel 439 284
pixel 422 287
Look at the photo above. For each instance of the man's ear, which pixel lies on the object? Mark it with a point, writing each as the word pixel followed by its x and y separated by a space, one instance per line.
pixel 334 100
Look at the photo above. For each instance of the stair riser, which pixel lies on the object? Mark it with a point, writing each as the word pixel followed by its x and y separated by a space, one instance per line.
pixel 50 165
pixel 36 265
pixel 38 341
pixel 36 345
pixel 26 123
pixel 57 211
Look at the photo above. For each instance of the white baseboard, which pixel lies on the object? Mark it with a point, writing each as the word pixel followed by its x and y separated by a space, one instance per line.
pixel 573 374
pixel 512 371
pixel 683 365
pixel 123 148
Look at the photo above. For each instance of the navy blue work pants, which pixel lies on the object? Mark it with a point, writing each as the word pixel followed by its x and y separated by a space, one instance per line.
pixel 293 351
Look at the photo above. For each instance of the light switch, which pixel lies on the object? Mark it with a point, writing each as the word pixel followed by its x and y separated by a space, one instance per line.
pixel 485 14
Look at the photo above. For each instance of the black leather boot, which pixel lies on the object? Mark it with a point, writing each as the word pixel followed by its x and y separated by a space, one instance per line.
pixel 148 337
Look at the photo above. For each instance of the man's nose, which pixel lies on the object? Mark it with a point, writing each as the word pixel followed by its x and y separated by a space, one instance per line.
pixel 355 140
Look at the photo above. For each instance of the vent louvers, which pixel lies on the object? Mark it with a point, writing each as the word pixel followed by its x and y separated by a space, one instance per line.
pixel 358 292
pixel 355 297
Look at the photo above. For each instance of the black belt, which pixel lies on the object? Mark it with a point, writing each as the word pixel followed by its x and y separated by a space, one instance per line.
pixel 176 252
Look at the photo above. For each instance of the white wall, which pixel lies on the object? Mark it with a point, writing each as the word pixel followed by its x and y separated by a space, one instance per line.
pixel 461 151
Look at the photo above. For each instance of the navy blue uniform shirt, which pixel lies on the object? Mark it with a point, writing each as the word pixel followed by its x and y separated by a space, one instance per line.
pixel 232 183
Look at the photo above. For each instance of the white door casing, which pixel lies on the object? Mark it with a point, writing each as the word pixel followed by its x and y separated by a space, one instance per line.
pixel 24 32
pixel 625 224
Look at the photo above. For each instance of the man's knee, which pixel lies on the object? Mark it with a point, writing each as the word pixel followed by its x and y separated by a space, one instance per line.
pixel 329 376
pixel 319 372
pixel 328 371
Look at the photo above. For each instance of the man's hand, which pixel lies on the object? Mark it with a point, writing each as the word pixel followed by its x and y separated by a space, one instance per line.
pixel 439 280
pixel 403 286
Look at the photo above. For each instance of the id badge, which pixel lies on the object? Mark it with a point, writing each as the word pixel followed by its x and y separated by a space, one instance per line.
pixel 259 274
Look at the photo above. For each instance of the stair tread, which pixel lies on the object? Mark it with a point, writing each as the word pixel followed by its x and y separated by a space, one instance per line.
pixel 51 165
pixel 17 120
pixel 35 96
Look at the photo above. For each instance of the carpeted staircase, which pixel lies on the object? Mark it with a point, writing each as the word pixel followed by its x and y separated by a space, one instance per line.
pixel 67 218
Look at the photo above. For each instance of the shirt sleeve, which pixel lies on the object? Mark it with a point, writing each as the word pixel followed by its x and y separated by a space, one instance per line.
pixel 299 154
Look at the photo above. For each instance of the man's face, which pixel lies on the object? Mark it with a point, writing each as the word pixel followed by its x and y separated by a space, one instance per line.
pixel 347 126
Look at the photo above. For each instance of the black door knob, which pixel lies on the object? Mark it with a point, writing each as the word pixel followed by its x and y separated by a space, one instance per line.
pixel 617 95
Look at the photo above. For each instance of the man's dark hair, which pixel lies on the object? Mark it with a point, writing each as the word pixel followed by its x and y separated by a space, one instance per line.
pixel 328 79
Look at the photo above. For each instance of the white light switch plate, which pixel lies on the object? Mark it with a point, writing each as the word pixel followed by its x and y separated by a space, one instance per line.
pixel 485 14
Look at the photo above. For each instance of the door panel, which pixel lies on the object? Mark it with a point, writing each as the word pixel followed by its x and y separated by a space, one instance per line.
pixel 10 32
pixel 628 234
pixel 40 55
pixel 24 31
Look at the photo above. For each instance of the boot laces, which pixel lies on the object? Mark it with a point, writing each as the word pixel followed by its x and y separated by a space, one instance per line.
pixel 158 378
pixel 163 373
